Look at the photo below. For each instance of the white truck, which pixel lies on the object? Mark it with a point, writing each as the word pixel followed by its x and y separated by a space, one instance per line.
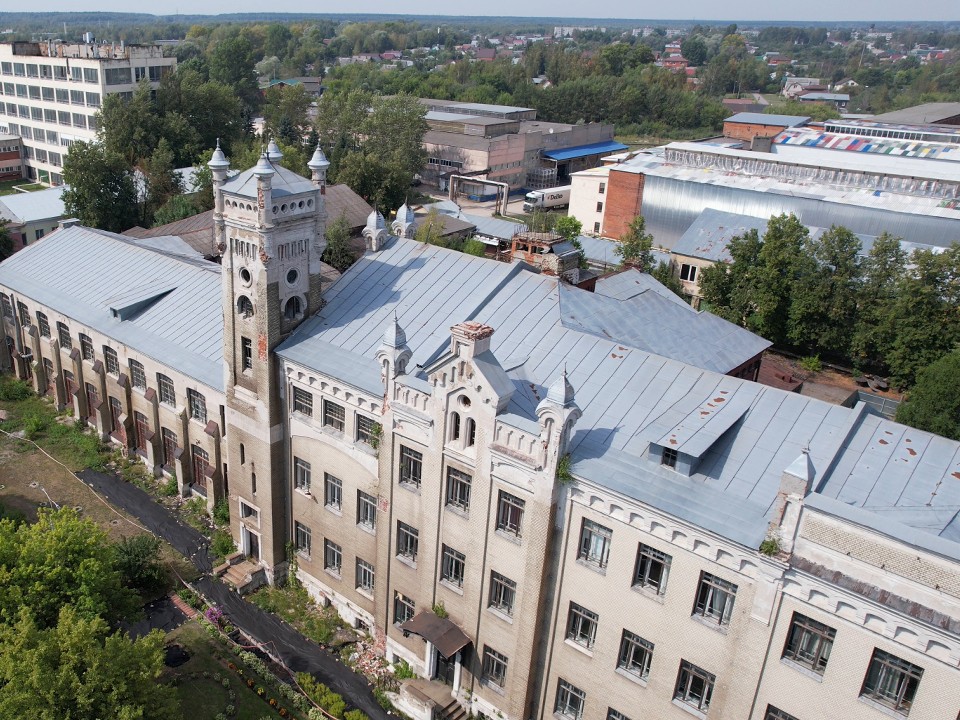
pixel 546 199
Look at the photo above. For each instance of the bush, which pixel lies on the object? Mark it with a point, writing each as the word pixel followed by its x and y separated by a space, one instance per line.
pixel 13 390
pixel 382 699
pixel 169 488
pixel 221 512
pixel 138 560
pixel 403 671
pixel 189 597
pixel 811 363
pixel 355 715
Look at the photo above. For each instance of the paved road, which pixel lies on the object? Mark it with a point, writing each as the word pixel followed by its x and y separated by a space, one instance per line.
pixel 281 640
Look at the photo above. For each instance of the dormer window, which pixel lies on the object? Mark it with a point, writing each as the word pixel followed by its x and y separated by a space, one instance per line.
pixel 669 458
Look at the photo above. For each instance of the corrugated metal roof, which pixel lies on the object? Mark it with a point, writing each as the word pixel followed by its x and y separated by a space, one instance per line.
pixel 709 236
pixel 630 397
pixel 284 182
pixel 23 208
pixel 81 272
pixel 764 119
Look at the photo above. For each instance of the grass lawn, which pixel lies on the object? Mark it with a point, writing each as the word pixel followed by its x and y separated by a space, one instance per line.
pixel 7 186
pixel 203 696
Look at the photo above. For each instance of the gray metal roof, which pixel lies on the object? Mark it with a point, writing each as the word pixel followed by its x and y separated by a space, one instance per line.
pixel 82 273
pixel 931 113
pixel 23 208
pixel 284 182
pixel 709 236
pixel 631 397
pixel 764 119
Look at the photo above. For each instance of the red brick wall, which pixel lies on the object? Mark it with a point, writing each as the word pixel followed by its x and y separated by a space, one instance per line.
pixel 748 131
pixel 624 202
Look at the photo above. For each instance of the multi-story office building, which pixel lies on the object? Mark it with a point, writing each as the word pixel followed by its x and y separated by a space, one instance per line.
pixel 481 467
pixel 50 93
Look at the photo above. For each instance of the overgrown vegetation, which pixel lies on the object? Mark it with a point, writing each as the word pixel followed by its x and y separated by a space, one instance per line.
pixel 295 606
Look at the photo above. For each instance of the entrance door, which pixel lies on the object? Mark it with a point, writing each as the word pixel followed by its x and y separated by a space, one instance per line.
pixel 251 545
pixel 200 461
pixel 444 669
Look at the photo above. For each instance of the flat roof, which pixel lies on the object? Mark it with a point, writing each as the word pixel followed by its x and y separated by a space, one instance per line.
pixel 597 148
pixel 753 118
pixel 32 206
pixel 927 113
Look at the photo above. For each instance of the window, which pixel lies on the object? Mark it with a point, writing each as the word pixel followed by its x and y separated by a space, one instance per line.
pixel 891 681
pixel 137 375
pixel 167 394
pixel 111 361
pixel 301 475
pixel 688 272
pixel 24 314
pixel 809 643
pixel 408 541
pixel 596 227
pixel 91 75
pixel 141 429
pixel 116 410
pixel 669 457
pixel 63 334
pixel 455 426
pixel 494 667
pixel 652 569
pixel 509 513
pixel 452 566
pixel 201 467
pixel 777 714
pixel 582 625
pixel 333 415
pixel 599 207
pixel 246 354
pixel 332 556
pixel 86 347
pixel 244 307
pixel 366 510
pixel 332 492
pixel 169 447
pixel 367 430
pixel 116 76
pixel 248 511
pixel 411 466
pixel 570 700
pixel 594 544
pixel 503 592
pixel 694 686
pixel 303 402
pixel 635 655
pixel 302 538
pixel 43 324
pixel 458 489
pixel 715 599
pixel 603 188
pixel 198 406
pixel 292 309
pixel 404 608
pixel 366 577
pixel 615 714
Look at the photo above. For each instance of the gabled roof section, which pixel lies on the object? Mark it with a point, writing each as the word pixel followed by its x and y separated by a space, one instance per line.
pixel 23 208
pixel 700 428
pixel 169 306
pixel 284 182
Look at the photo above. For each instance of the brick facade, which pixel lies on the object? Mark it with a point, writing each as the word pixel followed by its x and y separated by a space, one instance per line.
pixel 624 202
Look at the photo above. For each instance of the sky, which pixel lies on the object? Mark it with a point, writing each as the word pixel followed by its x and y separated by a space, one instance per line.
pixel 810 10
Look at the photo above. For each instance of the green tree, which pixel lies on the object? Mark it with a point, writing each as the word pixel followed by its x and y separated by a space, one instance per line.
pixel 60 560
pixel 635 248
pixel 285 113
pixel 129 128
pixel 664 274
pixel 176 208
pixel 569 228
pixel 138 561
pixel 823 303
pixel 728 289
pixel 6 240
pixel 883 269
pixel 160 181
pixel 232 63
pixel 76 669
pixel 101 190
pixel 474 247
pixel 337 254
pixel 933 404
pixel 430 229
pixel 694 49
pixel 783 243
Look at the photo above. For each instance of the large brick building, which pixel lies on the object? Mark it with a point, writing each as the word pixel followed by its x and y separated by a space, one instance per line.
pixel 483 468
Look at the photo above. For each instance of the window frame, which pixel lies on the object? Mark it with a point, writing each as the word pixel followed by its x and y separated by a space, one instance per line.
pixel 246 355
pixel 332 557
pixel 459 485
pixel 363 571
pixel 647 556
pixel 138 374
pixel 453 566
pixel 494 668
pixel 197 405
pixel 166 390
pixel 111 361
pixel 408 604
pixel 906 677
pixel 668 458
pixel 582 625
pixel 302 539
pixel 366 510
pixel 409 463
pixel 43 324
pixel 302 401
pixel 775 713
pixel 569 701
pixel 408 542
pixel 510 511
pixel 797 648
pixel 686 676
pixel 332 492
pixel 503 593
pixel 86 347
pixel 365 434
pixel 586 550
pixel 712 591
pixel 635 656
pixel 330 412
pixel 302 475
pixel 63 336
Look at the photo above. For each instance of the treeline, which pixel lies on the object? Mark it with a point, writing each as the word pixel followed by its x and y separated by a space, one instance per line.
pixel 884 311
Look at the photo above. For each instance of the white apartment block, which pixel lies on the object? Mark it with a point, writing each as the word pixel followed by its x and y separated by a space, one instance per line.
pixel 588 197
pixel 482 467
pixel 51 92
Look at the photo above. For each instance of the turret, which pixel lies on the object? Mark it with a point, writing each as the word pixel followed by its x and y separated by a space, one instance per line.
pixel 219 166
pixel 375 231
pixel 403 226
pixel 557 414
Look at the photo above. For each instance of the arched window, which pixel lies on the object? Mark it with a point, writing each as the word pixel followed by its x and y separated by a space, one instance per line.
pixel 455 426
pixel 243 454
pixel 244 306
pixel 471 432
pixel 293 309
